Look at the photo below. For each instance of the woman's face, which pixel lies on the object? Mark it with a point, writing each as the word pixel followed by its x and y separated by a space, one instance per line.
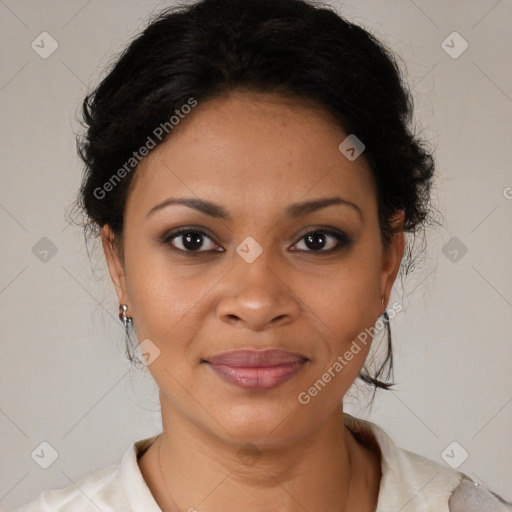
pixel 256 278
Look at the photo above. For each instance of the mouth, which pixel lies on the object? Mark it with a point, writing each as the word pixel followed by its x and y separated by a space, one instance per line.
pixel 256 370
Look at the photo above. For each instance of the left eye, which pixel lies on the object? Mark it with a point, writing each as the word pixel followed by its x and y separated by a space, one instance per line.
pixel 317 241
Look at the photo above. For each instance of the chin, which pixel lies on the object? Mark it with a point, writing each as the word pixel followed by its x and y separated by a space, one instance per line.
pixel 267 425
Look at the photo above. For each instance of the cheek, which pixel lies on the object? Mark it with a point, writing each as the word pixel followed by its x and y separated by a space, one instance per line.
pixel 162 295
pixel 344 300
pixel 167 308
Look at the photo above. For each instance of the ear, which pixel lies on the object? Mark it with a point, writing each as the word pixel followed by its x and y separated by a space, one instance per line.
pixel 115 264
pixel 392 256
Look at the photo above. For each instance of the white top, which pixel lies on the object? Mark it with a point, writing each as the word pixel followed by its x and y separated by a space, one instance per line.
pixel 409 483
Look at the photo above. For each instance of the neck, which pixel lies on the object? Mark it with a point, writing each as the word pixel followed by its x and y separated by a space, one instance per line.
pixel 189 469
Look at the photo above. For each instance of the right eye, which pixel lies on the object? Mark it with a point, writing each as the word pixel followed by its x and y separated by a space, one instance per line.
pixel 188 241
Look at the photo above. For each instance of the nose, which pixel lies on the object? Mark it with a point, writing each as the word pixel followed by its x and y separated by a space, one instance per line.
pixel 257 296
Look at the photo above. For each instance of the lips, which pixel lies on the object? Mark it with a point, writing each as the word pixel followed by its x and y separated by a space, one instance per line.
pixel 254 358
pixel 257 370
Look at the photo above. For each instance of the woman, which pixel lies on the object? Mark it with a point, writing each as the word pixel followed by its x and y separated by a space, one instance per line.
pixel 252 173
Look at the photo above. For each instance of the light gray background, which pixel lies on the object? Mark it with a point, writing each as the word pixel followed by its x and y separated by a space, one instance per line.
pixel 63 375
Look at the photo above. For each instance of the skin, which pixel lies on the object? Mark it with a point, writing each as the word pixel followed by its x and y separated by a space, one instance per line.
pixel 254 155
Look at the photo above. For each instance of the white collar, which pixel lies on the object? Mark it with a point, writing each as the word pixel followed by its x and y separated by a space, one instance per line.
pixel 409 482
pixel 136 489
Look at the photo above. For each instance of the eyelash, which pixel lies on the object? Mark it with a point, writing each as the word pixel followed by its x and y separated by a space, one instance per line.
pixel 342 238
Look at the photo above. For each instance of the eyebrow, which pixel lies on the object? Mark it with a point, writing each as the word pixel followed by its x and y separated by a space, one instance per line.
pixel 215 210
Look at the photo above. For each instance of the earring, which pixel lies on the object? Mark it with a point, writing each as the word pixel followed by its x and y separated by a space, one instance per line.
pixel 384 313
pixel 123 317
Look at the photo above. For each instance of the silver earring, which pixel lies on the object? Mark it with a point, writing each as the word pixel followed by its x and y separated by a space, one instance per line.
pixel 384 314
pixel 123 317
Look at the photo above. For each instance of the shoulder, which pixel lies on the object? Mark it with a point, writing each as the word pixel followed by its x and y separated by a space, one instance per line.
pixel 470 496
pixel 411 482
pixel 102 490
pixel 116 488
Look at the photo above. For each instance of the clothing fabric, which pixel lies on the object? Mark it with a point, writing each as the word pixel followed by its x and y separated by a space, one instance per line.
pixel 409 483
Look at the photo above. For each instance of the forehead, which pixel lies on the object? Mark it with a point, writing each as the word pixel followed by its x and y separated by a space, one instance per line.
pixel 253 150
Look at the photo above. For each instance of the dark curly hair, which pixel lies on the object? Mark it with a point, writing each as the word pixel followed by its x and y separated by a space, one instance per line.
pixel 296 49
